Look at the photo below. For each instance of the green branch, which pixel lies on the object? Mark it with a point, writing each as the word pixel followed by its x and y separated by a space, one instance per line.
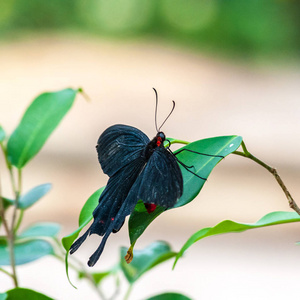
pixel 273 171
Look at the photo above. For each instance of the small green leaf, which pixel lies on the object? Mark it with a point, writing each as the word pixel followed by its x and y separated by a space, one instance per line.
pixel 98 277
pixel 169 296
pixel 274 218
pixel 203 165
pixel 41 229
pixel 25 251
pixel 3 296
pixel 7 202
pixel 38 122
pixel 34 195
pixel 145 259
pixel 21 293
pixel 86 215
pixel 2 134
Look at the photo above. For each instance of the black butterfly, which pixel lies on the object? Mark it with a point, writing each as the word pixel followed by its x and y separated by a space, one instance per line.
pixel 138 168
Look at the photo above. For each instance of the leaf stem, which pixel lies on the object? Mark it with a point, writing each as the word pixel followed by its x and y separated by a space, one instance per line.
pixel 19 221
pixel 87 275
pixel 273 171
pixel 129 290
pixel 175 141
pixel 6 272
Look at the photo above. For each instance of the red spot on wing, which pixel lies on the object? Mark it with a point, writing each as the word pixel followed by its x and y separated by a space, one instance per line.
pixel 150 207
pixel 112 219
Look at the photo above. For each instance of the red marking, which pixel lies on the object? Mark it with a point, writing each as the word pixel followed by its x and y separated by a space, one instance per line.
pixel 112 219
pixel 158 141
pixel 101 222
pixel 150 207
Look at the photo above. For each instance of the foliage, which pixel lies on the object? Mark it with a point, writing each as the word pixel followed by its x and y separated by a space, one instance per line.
pixel 245 28
pixel 40 239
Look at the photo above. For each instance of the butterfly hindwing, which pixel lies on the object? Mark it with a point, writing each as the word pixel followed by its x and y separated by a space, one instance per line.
pixel 114 195
pixel 118 145
pixel 113 205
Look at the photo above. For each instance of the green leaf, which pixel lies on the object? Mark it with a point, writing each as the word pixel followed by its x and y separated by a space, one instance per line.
pixel 169 296
pixel 3 296
pixel 274 218
pixel 140 219
pixel 145 259
pixel 203 165
pixel 38 122
pixel 25 251
pixel 41 229
pixel 34 195
pixel 86 215
pixel 7 202
pixel 21 293
pixel 2 134
pixel 98 277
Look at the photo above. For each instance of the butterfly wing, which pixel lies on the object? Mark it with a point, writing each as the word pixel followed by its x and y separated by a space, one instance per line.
pixel 160 182
pixel 118 145
pixel 113 208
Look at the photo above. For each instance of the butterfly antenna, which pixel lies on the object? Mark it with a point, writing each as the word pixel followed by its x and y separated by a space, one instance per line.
pixel 167 116
pixel 156 104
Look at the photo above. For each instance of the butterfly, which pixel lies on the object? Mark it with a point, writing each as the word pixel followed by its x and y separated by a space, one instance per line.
pixel 138 169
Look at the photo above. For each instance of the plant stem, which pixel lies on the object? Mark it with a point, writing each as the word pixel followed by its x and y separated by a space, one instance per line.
pixel 19 221
pixel 273 171
pixel 10 241
pixel 128 292
pixel 87 275
pixel 6 272
pixel 17 197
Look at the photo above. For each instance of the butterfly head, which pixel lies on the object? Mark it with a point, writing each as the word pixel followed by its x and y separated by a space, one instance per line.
pixel 160 138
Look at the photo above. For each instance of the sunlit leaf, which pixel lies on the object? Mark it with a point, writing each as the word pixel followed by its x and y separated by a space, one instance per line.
pixel 25 251
pixel 41 229
pixel 34 195
pixel 274 218
pixel 169 296
pixel 21 294
pixel 38 122
pixel 145 259
pixel 203 165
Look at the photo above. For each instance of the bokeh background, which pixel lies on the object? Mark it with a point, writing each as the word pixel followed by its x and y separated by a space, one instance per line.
pixel 231 66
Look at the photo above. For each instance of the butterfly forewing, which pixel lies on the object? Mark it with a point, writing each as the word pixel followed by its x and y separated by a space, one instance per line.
pixel 118 145
pixel 161 180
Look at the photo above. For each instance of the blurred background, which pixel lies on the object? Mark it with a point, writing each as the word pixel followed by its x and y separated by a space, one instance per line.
pixel 231 66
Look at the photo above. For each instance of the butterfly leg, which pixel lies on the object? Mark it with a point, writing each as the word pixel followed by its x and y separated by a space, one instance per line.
pixel 188 169
pixel 211 155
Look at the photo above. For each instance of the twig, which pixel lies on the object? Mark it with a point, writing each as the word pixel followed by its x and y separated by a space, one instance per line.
pixel 10 240
pixel 272 170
